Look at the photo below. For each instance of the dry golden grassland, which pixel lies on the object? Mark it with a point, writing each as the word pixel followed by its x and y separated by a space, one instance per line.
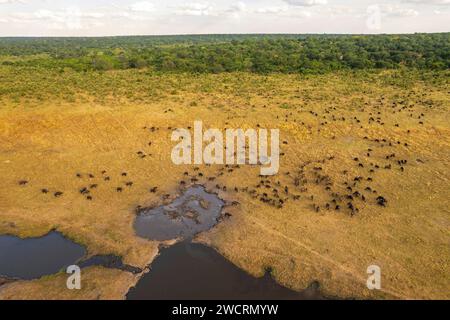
pixel 55 126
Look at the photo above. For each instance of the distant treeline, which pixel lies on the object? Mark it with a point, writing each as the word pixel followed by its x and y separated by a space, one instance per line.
pixel 228 53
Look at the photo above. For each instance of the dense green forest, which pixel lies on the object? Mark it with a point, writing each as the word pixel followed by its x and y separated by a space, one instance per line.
pixel 228 53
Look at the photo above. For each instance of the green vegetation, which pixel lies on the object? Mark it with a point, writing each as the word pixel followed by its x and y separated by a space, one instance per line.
pixel 232 53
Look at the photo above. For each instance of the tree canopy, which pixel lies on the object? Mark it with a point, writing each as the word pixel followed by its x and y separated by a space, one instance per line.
pixel 229 53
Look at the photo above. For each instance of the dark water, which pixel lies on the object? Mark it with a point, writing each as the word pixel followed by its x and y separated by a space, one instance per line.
pixel 109 261
pixel 191 271
pixel 33 258
pixel 193 212
pixel 36 257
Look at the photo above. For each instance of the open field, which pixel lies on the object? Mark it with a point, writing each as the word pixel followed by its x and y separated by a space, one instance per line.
pixel 347 138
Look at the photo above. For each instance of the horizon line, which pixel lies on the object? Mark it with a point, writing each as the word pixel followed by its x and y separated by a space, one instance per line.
pixel 224 34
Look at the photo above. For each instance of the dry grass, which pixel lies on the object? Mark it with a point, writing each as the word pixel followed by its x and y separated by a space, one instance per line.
pixel 98 284
pixel 48 142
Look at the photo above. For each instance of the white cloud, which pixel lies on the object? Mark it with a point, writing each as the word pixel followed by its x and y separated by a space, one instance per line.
pixel 11 1
pixel 195 9
pixel 339 10
pixel 71 18
pixel 143 6
pixel 398 11
pixel 45 17
pixel 300 14
pixel 278 10
pixel 129 16
pixel 306 3
pixel 237 7
pixel 68 13
pixel 430 2
pixel 94 15
pixel 272 9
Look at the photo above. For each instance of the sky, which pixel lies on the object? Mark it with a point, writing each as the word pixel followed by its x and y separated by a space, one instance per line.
pixel 161 17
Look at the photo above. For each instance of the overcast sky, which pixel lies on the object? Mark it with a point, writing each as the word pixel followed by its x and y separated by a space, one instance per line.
pixel 131 17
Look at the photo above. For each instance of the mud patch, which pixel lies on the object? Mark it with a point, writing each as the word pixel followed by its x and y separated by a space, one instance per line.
pixel 193 212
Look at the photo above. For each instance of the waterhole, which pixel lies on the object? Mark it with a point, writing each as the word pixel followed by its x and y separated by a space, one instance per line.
pixel 33 258
pixel 194 211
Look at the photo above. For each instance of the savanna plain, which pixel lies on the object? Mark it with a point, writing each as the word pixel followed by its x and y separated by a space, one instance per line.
pixel 364 173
